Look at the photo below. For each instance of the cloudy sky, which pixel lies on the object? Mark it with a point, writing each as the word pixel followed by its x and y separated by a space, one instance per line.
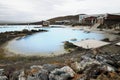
pixel 36 10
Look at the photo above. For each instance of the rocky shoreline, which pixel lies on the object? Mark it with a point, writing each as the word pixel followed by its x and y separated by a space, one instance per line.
pixel 78 64
pixel 89 65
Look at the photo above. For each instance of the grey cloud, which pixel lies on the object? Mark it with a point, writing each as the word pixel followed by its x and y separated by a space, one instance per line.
pixel 36 10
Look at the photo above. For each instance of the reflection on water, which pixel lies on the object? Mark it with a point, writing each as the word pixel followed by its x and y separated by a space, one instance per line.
pixel 48 42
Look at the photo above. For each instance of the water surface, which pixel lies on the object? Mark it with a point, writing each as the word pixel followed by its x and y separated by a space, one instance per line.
pixel 50 42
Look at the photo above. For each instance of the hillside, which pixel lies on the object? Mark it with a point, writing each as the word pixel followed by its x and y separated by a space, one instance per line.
pixel 72 18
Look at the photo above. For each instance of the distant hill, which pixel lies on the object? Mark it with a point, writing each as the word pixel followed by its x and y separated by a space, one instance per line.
pixel 37 23
pixel 72 18
pixel 14 23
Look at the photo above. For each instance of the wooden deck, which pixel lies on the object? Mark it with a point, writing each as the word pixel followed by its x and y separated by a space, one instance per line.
pixel 90 44
pixel 118 44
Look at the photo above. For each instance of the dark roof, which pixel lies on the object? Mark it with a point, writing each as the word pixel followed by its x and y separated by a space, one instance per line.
pixel 113 17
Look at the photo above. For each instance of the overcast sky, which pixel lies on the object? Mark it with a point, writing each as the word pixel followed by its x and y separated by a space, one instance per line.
pixel 36 10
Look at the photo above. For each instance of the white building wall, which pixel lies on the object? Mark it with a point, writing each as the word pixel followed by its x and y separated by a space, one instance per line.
pixel 81 17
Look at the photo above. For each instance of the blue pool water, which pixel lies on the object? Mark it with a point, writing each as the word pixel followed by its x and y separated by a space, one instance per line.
pixel 46 42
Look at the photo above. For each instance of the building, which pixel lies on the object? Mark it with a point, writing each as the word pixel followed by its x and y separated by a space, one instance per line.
pixel 45 23
pixel 81 17
pixel 87 19
pixel 90 20
pixel 109 21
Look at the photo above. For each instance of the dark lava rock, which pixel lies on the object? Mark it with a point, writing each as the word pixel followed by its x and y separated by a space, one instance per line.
pixel 93 66
pixel 64 73
pixel 14 75
pixel 50 67
pixel 41 75
pixel 2 76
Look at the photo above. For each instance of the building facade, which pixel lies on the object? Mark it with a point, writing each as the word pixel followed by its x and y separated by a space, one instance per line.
pixel 109 21
pixel 45 23
pixel 81 17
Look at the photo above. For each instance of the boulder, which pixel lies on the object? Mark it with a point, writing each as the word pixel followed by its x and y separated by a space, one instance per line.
pixel 62 74
pixel 87 62
pixel 15 75
pixel 22 75
pixel 107 67
pixel 36 72
pixel 92 71
pixel 2 76
pixel 50 67
pixel 68 70
pixel 1 71
pixel 41 75
pixel 36 67
pixel 102 77
pixel 92 66
pixel 75 66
